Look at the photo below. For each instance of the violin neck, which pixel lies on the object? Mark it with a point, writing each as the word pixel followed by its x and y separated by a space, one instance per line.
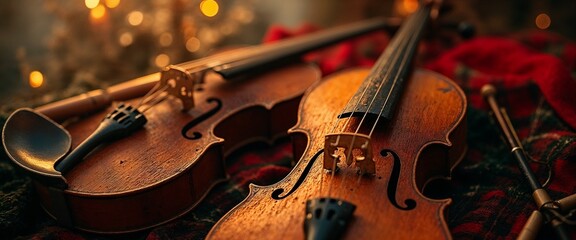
pixel 380 91
pixel 244 60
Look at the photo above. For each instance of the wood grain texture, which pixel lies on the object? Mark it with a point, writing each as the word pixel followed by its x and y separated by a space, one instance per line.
pixel 155 174
pixel 426 135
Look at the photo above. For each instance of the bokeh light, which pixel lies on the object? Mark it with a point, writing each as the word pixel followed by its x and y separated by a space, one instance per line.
pixel 543 21
pixel 112 3
pixel 406 7
pixel 36 79
pixel 165 39
pixel 209 8
pixel 193 44
pixel 135 18
pixel 162 60
pixel 98 12
pixel 126 39
pixel 91 4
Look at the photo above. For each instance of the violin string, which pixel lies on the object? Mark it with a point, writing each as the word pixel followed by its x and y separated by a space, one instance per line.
pixel 336 124
pixel 331 177
pixel 405 58
pixel 398 57
pixel 347 122
pixel 397 54
pixel 153 90
pixel 153 97
pixel 319 192
pixel 158 99
pixel 381 61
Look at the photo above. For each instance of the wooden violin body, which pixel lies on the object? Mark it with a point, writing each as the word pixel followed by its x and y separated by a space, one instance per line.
pixel 157 174
pixel 424 140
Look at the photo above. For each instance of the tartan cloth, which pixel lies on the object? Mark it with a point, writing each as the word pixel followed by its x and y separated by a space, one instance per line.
pixel 491 200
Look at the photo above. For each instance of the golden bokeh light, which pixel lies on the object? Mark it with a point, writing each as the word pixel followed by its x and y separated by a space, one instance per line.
pixel 126 39
pixel 98 12
pixel 165 39
pixel 91 4
pixel 135 18
pixel 162 60
pixel 543 21
pixel 112 3
pixel 193 44
pixel 406 7
pixel 227 29
pixel 209 35
pixel 242 14
pixel 209 8
pixel 189 31
pixel 36 79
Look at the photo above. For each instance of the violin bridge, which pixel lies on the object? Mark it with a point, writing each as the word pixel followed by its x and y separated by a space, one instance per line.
pixel 180 84
pixel 353 148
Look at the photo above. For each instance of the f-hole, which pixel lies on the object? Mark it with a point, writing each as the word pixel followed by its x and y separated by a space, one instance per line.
pixel 393 182
pixel 196 135
pixel 278 191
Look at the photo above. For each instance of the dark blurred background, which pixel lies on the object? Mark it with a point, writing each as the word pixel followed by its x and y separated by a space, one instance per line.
pixel 50 49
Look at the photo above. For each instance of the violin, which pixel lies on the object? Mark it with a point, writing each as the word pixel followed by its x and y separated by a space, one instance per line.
pixel 199 112
pixel 365 157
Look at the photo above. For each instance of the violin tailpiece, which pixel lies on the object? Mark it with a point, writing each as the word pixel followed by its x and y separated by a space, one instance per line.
pixel 326 218
pixel 353 147
pixel 124 120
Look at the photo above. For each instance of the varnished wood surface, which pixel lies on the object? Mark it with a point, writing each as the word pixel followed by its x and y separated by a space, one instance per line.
pixel 427 135
pixel 155 174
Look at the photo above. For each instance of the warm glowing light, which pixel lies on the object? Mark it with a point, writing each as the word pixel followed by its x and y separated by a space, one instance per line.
pixel 36 79
pixel 189 31
pixel 98 12
pixel 193 44
pixel 242 14
pixel 227 29
pixel 162 15
pixel 406 7
pixel 165 39
pixel 162 60
pixel 112 3
pixel 209 8
pixel 543 21
pixel 91 4
pixel 126 39
pixel 135 18
pixel 208 35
